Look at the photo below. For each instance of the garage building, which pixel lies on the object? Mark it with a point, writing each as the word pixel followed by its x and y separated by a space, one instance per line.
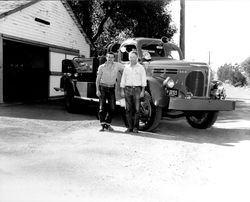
pixel 35 36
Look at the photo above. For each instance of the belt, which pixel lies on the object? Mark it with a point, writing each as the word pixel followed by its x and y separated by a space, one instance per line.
pixel 132 86
pixel 107 85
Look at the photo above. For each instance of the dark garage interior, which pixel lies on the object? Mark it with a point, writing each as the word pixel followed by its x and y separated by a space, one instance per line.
pixel 25 72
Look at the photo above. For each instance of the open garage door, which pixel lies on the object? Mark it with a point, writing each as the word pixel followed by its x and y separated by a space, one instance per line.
pixel 25 72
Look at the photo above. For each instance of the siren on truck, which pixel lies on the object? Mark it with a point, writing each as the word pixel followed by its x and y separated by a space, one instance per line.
pixel 164 39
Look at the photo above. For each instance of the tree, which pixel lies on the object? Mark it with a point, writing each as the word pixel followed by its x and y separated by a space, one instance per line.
pixel 246 69
pixel 106 21
pixel 232 73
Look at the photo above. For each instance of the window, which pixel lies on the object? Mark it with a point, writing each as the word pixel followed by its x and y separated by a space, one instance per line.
pixel 128 48
pixel 83 65
pixel 173 54
pixel 155 50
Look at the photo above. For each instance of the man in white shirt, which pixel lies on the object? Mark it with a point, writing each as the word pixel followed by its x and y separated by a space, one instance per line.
pixel 133 83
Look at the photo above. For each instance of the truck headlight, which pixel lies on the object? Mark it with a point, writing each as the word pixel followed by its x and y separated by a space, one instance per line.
pixel 168 82
pixel 220 87
pixel 217 90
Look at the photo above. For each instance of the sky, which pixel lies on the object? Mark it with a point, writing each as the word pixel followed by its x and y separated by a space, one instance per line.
pixel 216 27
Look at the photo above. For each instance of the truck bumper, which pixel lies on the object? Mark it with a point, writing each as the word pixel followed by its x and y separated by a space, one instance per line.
pixel 201 104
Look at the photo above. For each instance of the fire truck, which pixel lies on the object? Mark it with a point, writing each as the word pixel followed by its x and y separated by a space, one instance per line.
pixel 175 87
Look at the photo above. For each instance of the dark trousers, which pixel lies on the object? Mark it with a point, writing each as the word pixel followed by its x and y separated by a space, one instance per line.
pixel 106 110
pixel 132 99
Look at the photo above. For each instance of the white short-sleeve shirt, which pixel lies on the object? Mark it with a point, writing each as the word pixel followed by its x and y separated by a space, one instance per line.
pixel 133 76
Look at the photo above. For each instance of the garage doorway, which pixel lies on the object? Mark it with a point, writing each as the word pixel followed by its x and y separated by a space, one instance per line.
pixel 25 72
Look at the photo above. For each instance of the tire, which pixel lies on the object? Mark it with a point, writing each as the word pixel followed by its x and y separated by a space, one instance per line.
pixel 150 115
pixel 201 120
pixel 70 102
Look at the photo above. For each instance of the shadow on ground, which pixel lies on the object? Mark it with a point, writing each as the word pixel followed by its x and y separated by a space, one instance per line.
pixel 230 128
pixel 48 110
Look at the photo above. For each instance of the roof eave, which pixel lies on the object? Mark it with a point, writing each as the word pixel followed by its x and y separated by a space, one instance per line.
pixel 70 11
pixel 18 8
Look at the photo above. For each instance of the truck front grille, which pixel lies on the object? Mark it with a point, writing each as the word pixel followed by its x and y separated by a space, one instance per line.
pixel 164 71
pixel 195 83
pixel 159 71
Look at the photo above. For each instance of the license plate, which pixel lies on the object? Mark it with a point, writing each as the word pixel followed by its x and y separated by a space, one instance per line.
pixel 172 92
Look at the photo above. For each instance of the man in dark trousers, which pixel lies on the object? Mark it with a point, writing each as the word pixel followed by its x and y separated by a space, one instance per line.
pixel 105 90
pixel 133 83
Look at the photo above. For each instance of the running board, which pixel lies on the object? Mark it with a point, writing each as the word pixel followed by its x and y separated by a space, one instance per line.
pixel 120 102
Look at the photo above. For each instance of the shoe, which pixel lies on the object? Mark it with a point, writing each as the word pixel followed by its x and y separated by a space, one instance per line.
pixel 135 130
pixel 128 130
pixel 103 128
pixel 109 128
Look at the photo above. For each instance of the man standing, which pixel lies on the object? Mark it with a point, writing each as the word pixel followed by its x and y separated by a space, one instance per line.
pixel 105 90
pixel 133 83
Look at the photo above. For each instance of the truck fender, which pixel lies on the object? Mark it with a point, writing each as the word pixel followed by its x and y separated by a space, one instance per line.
pixel 63 82
pixel 67 84
pixel 157 92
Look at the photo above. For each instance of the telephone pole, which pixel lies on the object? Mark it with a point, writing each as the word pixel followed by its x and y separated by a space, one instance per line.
pixel 209 57
pixel 182 26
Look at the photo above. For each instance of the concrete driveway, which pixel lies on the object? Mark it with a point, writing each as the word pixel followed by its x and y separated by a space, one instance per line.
pixel 47 154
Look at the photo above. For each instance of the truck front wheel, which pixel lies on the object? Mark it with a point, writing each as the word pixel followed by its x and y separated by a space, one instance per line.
pixel 150 115
pixel 201 120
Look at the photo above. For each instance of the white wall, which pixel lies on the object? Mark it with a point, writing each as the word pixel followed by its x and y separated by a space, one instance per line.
pixel 62 30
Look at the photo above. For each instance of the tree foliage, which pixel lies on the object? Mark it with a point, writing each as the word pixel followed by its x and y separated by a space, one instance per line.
pixel 232 73
pixel 246 69
pixel 106 21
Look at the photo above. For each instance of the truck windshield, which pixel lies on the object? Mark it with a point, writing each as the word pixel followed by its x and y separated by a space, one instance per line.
pixel 152 50
pixel 155 50
pixel 159 50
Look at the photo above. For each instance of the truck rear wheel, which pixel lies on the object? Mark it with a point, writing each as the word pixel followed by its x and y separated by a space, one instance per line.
pixel 201 120
pixel 150 115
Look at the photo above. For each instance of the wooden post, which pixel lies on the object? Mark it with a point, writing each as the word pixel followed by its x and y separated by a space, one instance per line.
pixel 182 26
pixel 209 57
